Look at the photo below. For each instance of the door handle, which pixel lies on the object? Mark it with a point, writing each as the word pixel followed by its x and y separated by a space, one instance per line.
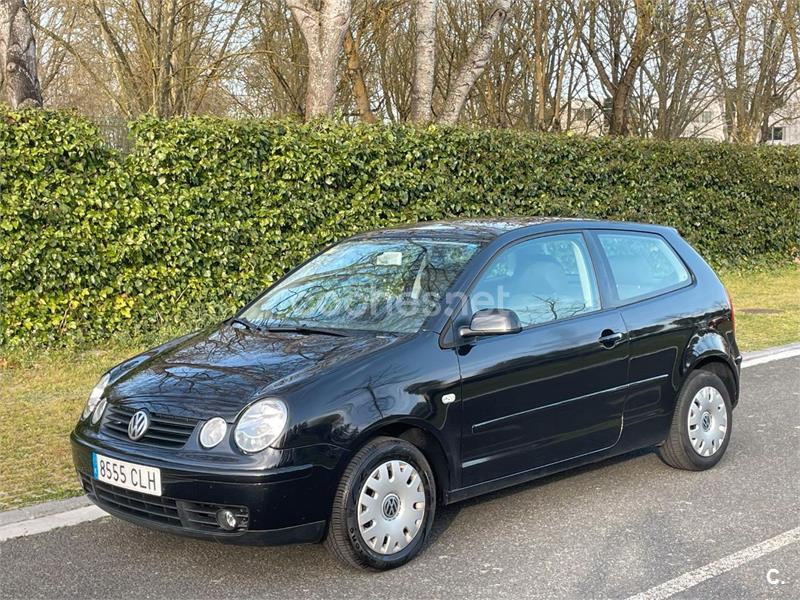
pixel 609 338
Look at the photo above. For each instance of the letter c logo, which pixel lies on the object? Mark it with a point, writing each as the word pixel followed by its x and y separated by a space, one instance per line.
pixel 772 577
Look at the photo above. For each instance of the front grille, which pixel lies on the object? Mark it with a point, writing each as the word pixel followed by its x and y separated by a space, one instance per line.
pixel 165 431
pixel 166 511
pixel 153 508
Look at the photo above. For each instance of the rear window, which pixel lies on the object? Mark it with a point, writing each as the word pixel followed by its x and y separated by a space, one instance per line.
pixel 642 264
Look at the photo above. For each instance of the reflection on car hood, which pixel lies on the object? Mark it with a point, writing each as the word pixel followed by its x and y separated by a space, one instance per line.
pixel 222 371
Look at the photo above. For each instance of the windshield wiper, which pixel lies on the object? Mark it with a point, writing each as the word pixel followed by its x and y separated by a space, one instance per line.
pixel 304 330
pixel 246 322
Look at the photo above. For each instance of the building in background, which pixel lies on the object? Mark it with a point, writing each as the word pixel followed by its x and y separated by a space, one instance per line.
pixel 708 125
pixel 784 126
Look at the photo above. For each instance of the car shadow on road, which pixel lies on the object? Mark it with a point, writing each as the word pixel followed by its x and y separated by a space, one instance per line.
pixel 446 515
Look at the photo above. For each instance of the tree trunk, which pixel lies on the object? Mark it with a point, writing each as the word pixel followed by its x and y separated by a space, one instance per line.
pixel 356 75
pixel 475 64
pixel 540 25
pixel 323 31
pixel 18 55
pixel 425 61
pixel 321 88
pixel 164 106
pixel 740 130
pixel 618 123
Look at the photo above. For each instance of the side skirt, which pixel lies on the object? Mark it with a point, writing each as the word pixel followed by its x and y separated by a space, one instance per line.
pixel 500 483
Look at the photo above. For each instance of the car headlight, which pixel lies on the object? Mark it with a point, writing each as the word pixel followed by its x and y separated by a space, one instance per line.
pixel 98 411
pixel 95 396
pixel 260 425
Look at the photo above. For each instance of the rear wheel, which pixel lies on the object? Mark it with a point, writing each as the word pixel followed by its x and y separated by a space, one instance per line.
pixel 384 506
pixel 701 425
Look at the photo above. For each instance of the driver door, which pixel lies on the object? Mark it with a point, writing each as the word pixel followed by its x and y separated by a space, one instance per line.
pixel 555 390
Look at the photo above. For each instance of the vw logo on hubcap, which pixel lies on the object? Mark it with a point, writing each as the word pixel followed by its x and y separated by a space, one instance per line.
pixel 706 421
pixel 138 425
pixel 391 506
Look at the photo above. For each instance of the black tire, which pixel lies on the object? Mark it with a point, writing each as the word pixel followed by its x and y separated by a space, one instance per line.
pixel 677 450
pixel 344 539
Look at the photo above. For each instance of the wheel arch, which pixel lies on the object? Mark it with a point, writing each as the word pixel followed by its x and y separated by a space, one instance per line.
pixel 721 368
pixel 425 438
pixel 710 350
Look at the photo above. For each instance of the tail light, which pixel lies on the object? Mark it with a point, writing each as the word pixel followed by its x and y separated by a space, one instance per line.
pixel 733 317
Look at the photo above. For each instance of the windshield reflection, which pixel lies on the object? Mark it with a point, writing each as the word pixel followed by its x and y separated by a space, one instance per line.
pixel 378 285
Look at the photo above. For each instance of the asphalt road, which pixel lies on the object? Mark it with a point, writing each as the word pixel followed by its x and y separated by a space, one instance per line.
pixel 614 530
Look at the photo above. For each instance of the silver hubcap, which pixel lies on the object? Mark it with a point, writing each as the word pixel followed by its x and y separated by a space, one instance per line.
pixel 391 507
pixel 708 421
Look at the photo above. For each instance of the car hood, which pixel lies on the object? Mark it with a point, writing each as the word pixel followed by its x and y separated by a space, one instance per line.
pixel 221 371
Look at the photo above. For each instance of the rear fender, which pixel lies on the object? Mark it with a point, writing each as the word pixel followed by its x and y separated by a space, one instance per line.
pixel 709 345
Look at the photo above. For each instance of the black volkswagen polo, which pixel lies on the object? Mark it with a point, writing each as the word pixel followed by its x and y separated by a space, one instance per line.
pixel 411 367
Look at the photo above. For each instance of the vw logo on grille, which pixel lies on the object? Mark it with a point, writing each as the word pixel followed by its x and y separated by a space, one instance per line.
pixel 391 506
pixel 138 425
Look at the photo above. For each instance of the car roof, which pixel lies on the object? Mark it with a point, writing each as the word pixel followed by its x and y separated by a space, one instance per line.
pixel 488 229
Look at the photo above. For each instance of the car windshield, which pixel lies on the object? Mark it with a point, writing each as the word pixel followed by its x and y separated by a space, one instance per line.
pixel 379 285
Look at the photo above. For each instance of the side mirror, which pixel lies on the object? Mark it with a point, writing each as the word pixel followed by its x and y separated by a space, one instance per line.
pixel 491 321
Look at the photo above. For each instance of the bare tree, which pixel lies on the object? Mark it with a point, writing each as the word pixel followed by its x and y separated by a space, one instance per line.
pixel 530 77
pixel 475 63
pixel 655 68
pixel 791 22
pixel 676 83
pixel 501 97
pixel 159 56
pixel 752 56
pixel 273 77
pixel 51 60
pixel 18 55
pixel 324 31
pixel 388 41
pixel 617 53
pixel 555 36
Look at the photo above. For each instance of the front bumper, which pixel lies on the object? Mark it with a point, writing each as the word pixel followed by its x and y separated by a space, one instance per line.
pixel 286 504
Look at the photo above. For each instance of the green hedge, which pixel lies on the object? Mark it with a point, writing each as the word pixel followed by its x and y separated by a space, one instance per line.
pixel 203 213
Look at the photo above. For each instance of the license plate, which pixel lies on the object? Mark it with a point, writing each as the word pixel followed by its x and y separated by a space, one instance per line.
pixel 130 476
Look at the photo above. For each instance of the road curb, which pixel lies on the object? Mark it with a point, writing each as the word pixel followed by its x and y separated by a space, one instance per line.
pixel 50 522
pixel 39 518
pixel 758 357
pixel 44 509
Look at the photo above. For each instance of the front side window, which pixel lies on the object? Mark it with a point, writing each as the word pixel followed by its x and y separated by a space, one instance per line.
pixel 543 279
pixel 378 285
pixel 642 264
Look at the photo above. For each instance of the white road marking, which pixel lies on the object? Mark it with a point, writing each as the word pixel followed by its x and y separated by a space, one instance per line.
pixel 48 522
pixel 760 360
pixel 718 567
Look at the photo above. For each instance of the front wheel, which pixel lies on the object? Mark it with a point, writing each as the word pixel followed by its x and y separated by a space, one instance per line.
pixel 701 425
pixel 384 506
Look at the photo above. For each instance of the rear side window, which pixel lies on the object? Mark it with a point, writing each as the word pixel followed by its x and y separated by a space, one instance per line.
pixel 642 264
